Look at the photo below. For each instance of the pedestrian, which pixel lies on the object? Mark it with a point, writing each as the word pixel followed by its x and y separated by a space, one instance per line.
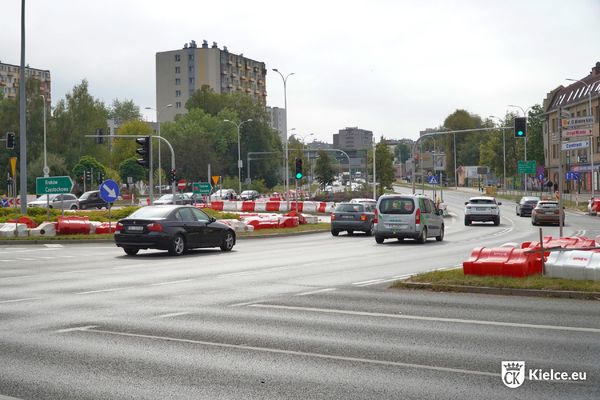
pixel 555 187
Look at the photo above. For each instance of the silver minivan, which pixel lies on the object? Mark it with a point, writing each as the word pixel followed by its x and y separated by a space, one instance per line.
pixel 403 216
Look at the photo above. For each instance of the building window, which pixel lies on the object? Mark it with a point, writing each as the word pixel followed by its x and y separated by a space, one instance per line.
pixel 191 69
pixel 178 104
pixel 177 81
pixel 190 57
pixel 177 70
pixel 178 93
pixel 191 81
pixel 177 58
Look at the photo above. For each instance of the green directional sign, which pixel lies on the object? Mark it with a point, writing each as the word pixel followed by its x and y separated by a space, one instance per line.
pixel 53 185
pixel 526 167
pixel 201 188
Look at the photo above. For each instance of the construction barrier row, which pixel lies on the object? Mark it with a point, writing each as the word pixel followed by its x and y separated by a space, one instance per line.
pixel 271 206
pixel 527 260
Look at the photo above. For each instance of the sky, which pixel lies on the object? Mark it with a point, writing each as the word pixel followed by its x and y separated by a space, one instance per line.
pixel 391 67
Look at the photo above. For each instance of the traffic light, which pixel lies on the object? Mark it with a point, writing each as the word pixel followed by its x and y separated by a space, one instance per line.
pixel 520 127
pixel 173 175
pixel 100 178
pixel 10 140
pixel 299 174
pixel 99 138
pixel 88 176
pixel 143 151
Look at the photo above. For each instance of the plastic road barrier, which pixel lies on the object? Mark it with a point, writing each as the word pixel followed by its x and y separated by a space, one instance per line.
pixel 73 225
pixel 574 264
pixel 502 261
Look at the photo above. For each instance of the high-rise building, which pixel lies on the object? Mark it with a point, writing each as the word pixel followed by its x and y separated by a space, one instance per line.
pixel 179 73
pixel 10 77
pixel 351 139
pixel 277 121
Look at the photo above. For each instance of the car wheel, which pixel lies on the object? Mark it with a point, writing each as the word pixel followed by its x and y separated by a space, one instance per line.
pixel 423 237
pixel 440 237
pixel 369 232
pixel 497 221
pixel 379 239
pixel 73 207
pixel 228 241
pixel 467 221
pixel 131 252
pixel 350 233
pixel 334 232
pixel 177 246
pixel 400 239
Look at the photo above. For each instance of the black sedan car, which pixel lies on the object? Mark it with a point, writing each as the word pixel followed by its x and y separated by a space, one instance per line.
pixel 526 204
pixel 172 227
pixel 352 217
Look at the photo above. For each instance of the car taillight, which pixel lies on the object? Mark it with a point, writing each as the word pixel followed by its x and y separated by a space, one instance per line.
pixel 363 217
pixel 332 216
pixel 418 216
pixel 119 227
pixel 154 227
pixel 375 217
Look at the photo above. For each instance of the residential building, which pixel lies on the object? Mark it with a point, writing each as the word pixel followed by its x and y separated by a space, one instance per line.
pixel 10 78
pixel 277 121
pixel 180 73
pixel 573 101
pixel 352 139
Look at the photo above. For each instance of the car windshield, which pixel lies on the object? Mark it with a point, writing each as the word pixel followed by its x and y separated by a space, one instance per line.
pixel 481 201
pixel 548 205
pixel 166 197
pixel 397 206
pixel 349 208
pixel 46 197
pixel 86 195
pixel 534 202
pixel 150 213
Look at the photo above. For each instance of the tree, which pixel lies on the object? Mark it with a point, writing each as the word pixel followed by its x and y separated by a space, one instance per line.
pixel 124 148
pixel 467 143
pixel 130 168
pixel 535 139
pixel 124 111
pixel 384 165
pixel 402 152
pixel 87 163
pixel 323 169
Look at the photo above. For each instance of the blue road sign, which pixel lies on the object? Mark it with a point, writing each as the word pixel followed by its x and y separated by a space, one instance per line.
pixel 541 177
pixel 432 180
pixel 109 190
pixel 572 176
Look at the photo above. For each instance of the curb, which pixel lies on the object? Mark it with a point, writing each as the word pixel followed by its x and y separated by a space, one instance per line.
pixel 565 294
pixel 96 241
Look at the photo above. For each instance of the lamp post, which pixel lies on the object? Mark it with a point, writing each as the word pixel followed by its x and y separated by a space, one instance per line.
pixel 46 170
pixel 287 175
pixel 159 164
pixel 589 113
pixel 525 138
pixel 503 152
pixel 239 153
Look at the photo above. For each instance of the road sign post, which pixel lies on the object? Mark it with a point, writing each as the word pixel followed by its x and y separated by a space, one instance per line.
pixel 109 192
pixel 53 185
pixel 203 188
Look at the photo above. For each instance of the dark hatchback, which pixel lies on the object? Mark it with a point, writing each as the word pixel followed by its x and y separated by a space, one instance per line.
pixel 92 199
pixel 172 227
pixel 352 217
pixel 526 205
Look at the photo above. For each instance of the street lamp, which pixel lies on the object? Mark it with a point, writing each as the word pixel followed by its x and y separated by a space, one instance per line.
pixel 159 164
pixel 287 176
pixel 503 151
pixel 46 170
pixel 589 113
pixel 239 155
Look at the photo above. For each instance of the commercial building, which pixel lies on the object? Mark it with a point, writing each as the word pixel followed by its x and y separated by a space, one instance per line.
pixel 573 101
pixel 180 73
pixel 277 121
pixel 10 76
pixel 356 143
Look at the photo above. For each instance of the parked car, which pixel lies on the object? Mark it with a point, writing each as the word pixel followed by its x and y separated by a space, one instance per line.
pixel 526 204
pixel 249 195
pixel 180 198
pixel 92 199
pixel 403 216
pixel 482 209
pixel 547 212
pixel 172 227
pixel 66 201
pixel 224 194
pixel 352 217
pixel 371 202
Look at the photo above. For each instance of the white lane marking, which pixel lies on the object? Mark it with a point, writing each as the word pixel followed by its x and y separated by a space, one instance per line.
pixel 177 314
pixel 53 245
pixel 315 292
pixel 18 300
pixel 433 319
pixel 378 282
pixel 130 266
pixel 247 303
pixel 370 281
pixel 171 282
pixel 7 260
pixel 66 256
pixel 106 290
pixel 254 272
pixel 403 276
pixel 26 259
pixel 290 352
pixel 76 329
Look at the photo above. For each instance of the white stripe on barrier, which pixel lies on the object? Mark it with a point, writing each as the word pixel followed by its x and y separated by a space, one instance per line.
pixel 260 206
pixel 230 206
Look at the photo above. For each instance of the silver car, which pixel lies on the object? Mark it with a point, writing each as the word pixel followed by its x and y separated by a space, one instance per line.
pixel 59 201
pixel 403 216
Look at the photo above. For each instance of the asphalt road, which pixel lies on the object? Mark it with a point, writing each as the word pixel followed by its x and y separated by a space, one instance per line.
pixel 295 317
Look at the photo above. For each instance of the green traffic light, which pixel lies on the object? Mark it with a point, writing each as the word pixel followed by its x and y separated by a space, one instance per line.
pixel 298 175
pixel 520 133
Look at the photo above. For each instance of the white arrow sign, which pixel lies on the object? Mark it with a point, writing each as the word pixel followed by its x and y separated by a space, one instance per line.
pixel 109 190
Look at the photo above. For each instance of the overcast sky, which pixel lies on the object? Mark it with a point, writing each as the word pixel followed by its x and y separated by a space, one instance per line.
pixel 393 67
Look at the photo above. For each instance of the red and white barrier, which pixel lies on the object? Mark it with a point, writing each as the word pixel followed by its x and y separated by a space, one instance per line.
pixel 272 206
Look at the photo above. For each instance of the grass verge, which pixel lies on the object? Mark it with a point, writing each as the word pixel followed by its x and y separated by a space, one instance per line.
pixel 443 280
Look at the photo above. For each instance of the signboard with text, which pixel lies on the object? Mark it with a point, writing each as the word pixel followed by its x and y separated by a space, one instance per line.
pixel 575 122
pixel 53 185
pixel 577 132
pixel 526 167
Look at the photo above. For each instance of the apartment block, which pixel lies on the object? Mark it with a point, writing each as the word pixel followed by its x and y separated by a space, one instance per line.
pixel 179 73
pixel 10 77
